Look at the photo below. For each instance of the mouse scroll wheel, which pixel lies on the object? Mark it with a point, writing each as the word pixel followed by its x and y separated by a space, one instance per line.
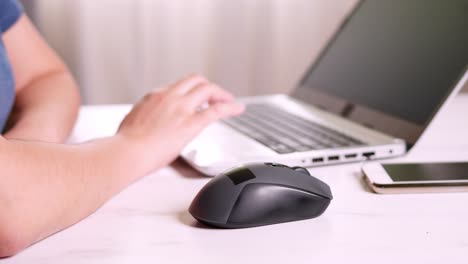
pixel 301 169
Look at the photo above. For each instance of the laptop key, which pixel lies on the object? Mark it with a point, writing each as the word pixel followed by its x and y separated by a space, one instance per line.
pixel 294 121
pixel 261 138
pixel 303 148
pixel 289 142
pixel 286 133
pixel 281 149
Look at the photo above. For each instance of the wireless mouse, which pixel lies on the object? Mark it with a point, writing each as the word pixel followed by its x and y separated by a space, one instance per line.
pixel 260 194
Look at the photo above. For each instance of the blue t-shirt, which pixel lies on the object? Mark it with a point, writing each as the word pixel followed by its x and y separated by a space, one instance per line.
pixel 10 11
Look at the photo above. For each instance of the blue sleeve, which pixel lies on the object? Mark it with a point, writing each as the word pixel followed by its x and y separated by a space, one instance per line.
pixel 10 12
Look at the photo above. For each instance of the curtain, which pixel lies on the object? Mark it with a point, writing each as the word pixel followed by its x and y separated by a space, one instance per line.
pixel 120 49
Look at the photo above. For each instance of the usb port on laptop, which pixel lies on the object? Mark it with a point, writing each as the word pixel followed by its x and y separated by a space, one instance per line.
pixel 351 156
pixel 368 154
pixel 317 160
pixel 333 158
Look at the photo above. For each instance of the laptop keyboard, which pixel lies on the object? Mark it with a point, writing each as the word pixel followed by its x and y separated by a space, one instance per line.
pixel 284 132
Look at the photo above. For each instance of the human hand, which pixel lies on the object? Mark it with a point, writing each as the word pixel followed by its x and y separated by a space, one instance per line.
pixel 164 121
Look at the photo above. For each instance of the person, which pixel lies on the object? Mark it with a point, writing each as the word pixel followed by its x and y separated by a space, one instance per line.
pixel 45 185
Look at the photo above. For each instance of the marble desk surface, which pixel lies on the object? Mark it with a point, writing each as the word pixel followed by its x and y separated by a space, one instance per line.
pixel 149 223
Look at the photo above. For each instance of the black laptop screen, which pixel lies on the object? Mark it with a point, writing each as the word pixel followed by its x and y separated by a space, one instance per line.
pixel 396 59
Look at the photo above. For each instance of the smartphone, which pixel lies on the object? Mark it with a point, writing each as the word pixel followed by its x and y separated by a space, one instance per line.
pixel 416 177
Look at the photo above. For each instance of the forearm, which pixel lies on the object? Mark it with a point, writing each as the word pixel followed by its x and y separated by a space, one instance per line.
pixel 45 109
pixel 45 187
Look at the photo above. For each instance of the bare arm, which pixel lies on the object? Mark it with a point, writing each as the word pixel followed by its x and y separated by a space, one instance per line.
pixel 47 187
pixel 47 97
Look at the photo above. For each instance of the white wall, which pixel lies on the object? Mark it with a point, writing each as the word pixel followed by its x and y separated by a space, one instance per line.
pixel 119 49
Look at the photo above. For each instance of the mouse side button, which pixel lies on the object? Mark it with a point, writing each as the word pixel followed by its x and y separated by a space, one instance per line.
pixel 214 201
pixel 264 204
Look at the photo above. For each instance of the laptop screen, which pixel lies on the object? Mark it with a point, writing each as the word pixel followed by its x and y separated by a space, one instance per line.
pixel 392 64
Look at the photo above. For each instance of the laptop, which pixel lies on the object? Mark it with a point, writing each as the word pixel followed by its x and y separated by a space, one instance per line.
pixel 390 67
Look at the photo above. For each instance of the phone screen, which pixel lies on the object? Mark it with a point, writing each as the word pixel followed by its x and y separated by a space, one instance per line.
pixel 427 172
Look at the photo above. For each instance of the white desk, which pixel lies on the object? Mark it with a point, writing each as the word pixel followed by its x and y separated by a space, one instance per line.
pixel 149 222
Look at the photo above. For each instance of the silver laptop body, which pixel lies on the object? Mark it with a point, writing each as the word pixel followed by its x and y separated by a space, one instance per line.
pixel 374 90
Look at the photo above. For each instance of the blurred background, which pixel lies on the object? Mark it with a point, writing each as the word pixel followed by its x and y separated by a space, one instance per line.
pixel 120 49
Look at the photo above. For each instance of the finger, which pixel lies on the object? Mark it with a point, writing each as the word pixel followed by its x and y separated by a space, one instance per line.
pixel 216 112
pixel 148 96
pixel 188 83
pixel 206 93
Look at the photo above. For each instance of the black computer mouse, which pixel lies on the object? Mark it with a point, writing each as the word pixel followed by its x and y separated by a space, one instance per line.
pixel 260 194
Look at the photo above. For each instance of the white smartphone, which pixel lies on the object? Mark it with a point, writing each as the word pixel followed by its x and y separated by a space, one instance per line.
pixel 416 177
